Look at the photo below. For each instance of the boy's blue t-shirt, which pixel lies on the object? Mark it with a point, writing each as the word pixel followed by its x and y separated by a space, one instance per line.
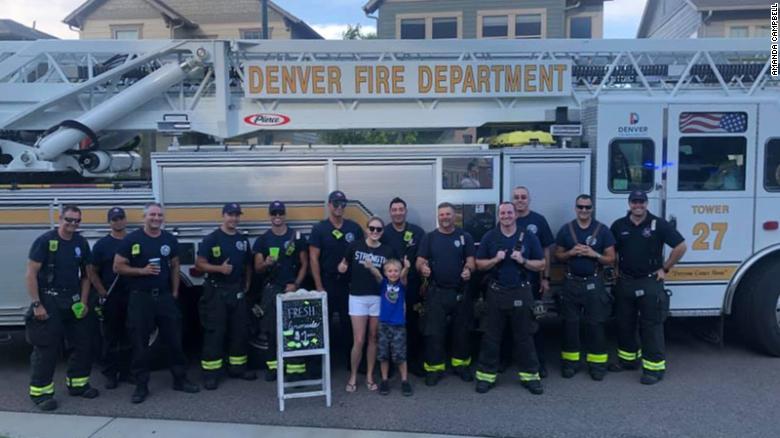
pixel 393 297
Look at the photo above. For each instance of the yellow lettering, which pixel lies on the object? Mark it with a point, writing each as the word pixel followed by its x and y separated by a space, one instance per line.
pixel 483 79
pixel 361 77
pixel 497 69
pixel 530 76
pixel 302 76
pixel 456 76
pixel 255 79
pixel 318 79
pixel 424 79
pixel 288 81
pixel 398 79
pixel 440 72
pixel 512 78
pixel 468 84
pixel 560 69
pixel 382 79
pixel 334 80
pixel 545 78
pixel 272 79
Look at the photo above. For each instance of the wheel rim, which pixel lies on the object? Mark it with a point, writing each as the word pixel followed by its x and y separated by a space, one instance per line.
pixel 777 310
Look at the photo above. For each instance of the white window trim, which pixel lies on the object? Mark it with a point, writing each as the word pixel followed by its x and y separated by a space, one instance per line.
pixel 752 26
pixel 596 24
pixel 429 16
pixel 511 15
pixel 125 27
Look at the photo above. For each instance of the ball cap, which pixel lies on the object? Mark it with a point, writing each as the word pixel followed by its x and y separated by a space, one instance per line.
pixel 337 195
pixel 232 208
pixel 276 206
pixel 637 195
pixel 116 213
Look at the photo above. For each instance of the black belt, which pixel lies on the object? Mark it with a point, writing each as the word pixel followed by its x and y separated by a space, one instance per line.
pixel 571 276
pixel 636 277
pixel 224 284
pixel 155 292
pixel 495 286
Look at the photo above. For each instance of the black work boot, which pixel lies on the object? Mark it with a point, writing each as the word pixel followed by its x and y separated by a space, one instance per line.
pixel 533 386
pixel 432 378
pixel 597 373
pixel 210 383
pixel 568 370
pixel 140 394
pixel 112 381
pixel 243 375
pixel 184 385
pixel 483 386
pixel 270 375
pixel 623 365
pixel 464 373
pixel 650 379
pixel 85 391
pixel 46 404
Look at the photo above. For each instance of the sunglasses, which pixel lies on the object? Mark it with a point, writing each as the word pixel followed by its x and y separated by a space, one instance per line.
pixel 277 213
pixel 637 201
pixel 375 229
pixel 339 204
pixel 117 218
pixel 584 207
pixel 72 220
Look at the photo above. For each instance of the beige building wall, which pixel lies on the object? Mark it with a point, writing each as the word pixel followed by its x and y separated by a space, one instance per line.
pixel 104 29
pixel 276 30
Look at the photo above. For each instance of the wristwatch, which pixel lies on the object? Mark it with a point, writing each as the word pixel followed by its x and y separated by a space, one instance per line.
pixel 36 304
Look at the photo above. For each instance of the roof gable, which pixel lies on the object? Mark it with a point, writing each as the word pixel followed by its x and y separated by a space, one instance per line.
pixel 11 28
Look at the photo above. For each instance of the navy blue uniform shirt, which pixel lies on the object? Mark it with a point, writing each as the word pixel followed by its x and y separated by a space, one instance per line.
pixel 640 247
pixel 69 257
pixel 446 255
pixel 220 246
pixel 103 258
pixel 139 248
pixel 333 243
pixel 508 273
pixel 585 266
pixel 287 248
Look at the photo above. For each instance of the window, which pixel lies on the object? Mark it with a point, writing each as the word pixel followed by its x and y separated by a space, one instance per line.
pixel 132 32
pixel 252 34
pixel 495 26
pixel 739 32
pixel 413 29
pixel 711 164
pixel 445 27
pixel 631 165
pixel 467 173
pixel 580 27
pixel 761 32
pixel 772 166
pixel 528 26
pixel 514 23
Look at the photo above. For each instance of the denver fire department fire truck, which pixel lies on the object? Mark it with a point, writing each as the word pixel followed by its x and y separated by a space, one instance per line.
pixel 692 122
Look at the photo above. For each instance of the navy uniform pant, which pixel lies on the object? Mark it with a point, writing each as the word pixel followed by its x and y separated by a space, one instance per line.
pixel 585 302
pixel 223 312
pixel 645 300
pixel 450 311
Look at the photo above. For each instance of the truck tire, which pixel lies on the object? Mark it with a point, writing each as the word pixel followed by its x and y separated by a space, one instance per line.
pixel 758 308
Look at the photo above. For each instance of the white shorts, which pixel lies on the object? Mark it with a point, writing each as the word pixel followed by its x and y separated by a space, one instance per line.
pixel 364 305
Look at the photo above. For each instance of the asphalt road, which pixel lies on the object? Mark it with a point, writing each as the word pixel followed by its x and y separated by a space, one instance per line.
pixel 708 391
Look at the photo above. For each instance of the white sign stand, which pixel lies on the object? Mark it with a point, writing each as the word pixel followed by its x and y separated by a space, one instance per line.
pixel 300 337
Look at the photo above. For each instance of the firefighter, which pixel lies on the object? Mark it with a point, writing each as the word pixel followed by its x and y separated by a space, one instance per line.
pixel 584 245
pixel 510 254
pixel 446 257
pixel 534 223
pixel 641 237
pixel 404 237
pixel 58 285
pixel 225 257
pixel 149 259
pixel 280 253
pixel 328 243
pixel 113 298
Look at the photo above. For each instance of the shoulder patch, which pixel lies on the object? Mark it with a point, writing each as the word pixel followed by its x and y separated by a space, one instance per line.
pixel 136 249
pixel 165 250
pixel 54 245
pixel 216 251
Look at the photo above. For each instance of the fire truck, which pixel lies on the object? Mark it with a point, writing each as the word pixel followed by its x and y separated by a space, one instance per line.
pixel 185 123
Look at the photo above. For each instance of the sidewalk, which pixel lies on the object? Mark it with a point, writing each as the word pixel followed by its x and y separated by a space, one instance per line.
pixel 24 425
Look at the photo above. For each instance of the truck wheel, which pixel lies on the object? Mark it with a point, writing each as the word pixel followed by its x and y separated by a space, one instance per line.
pixel 758 308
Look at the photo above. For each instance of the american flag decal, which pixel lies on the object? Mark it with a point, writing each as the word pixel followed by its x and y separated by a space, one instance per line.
pixel 713 123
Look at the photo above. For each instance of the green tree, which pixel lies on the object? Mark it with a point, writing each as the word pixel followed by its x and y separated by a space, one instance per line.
pixel 356 33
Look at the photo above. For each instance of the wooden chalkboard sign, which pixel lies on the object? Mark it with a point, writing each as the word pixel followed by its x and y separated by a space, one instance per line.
pixel 303 324
pixel 302 330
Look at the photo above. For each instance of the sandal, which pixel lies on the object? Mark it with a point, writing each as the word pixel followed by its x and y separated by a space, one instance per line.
pixel 371 386
pixel 351 387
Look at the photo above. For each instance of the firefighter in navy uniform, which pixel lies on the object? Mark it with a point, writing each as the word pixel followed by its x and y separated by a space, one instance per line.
pixel 58 284
pixel 446 257
pixel 585 245
pixel 280 253
pixel 328 243
pixel 404 237
pixel 113 296
pixel 510 254
pixel 534 223
pixel 149 259
pixel 641 237
pixel 225 257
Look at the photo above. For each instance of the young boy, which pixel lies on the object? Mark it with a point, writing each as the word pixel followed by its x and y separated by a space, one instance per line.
pixel 392 322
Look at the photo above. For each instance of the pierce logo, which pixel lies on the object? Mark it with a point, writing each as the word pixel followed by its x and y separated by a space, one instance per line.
pixel 633 118
pixel 267 119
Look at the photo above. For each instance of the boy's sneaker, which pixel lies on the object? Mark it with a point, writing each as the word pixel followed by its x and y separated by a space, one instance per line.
pixel 384 387
pixel 406 388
